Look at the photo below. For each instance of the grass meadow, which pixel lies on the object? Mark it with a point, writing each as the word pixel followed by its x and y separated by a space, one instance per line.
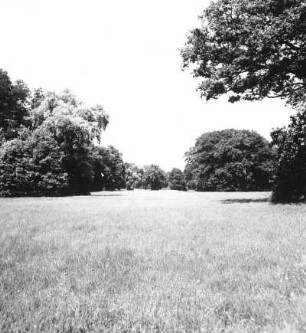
pixel 147 261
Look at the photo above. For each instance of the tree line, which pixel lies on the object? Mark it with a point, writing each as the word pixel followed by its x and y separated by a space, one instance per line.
pixel 50 145
pixel 245 49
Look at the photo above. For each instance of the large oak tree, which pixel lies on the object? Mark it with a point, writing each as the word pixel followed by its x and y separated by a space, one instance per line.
pixel 230 160
pixel 251 49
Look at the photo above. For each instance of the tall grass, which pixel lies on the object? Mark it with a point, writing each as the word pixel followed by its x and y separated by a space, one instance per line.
pixel 152 262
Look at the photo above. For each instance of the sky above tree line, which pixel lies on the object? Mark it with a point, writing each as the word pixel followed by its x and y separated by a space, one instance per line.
pixel 125 56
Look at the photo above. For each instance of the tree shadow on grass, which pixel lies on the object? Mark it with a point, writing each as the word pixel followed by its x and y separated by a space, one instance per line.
pixel 106 195
pixel 99 194
pixel 232 201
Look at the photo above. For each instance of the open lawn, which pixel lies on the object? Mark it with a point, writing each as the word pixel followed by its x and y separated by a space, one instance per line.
pixel 147 261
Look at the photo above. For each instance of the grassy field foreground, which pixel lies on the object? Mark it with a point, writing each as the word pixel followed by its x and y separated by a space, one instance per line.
pixel 147 261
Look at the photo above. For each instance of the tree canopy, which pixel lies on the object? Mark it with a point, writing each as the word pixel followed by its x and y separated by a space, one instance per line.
pixel 133 176
pixel 74 127
pixel 290 176
pixel 50 144
pixel 154 177
pixel 176 180
pixel 32 165
pixel 109 169
pixel 14 105
pixel 229 160
pixel 251 49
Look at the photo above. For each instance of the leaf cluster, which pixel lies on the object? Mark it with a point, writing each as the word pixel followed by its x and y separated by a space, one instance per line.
pixel 251 49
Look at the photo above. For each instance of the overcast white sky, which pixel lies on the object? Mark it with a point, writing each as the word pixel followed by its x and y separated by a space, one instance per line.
pixel 125 55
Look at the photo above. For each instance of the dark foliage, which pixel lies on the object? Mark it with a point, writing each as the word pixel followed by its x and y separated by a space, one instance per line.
pixel 32 164
pixel 230 160
pixel 13 105
pixel 176 180
pixel 109 169
pixel 154 177
pixel 290 178
pixel 53 153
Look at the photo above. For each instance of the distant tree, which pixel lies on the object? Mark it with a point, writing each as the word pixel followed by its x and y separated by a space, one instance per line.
pixel 290 177
pixel 32 164
pixel 230 160
pixel 251 48
pixel 176 180
pixel 140 184
pixel 154 177
pixel 14 104
pixel 109 169
pixel 133 176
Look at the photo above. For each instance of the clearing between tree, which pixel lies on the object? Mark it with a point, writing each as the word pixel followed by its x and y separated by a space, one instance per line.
pixel 146 261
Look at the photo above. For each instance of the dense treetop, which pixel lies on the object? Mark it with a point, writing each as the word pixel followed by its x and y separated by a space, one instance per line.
pixel 50 144
pixel 14 105
pixel 154 177
pixel 229 160
pixel 250 48
pixel 133 176
pixel 176 180
pixel 109 169
pixel 290 176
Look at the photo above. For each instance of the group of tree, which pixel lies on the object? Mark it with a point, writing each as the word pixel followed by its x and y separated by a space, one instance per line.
pixel 49 144
pixel 251 50
pixel 153 177
pixel 245 49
